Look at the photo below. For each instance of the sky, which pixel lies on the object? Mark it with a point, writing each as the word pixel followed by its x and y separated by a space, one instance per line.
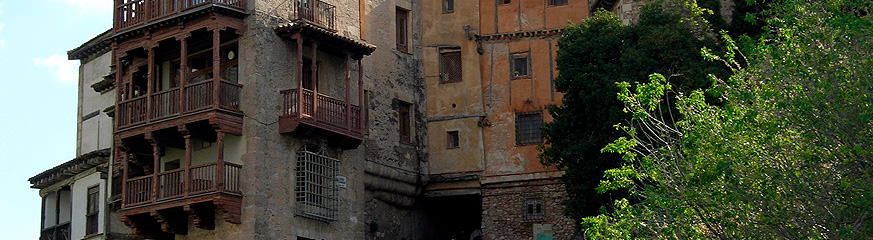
pixel 38 92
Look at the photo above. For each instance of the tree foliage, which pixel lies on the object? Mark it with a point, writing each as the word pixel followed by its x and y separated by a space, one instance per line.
pixel 593 56
pixel 786 154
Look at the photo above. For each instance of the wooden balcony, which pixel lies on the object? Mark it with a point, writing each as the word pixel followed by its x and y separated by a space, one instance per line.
pixel 133 13
pixel 174 103
pixel 59 232
pixel 181 183
pixel 317 12
pixel 158 205
pixel 339 121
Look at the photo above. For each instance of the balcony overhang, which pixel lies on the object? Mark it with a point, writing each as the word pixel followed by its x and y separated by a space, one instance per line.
pixel 176 19
pixel 69 168
pixel 336 42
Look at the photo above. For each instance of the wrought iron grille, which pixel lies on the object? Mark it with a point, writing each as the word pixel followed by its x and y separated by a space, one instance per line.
pixel 316 191
pixel 534 209
pixel 450 67
pixel 527 128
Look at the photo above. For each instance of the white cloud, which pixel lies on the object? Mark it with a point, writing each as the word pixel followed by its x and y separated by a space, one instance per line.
pixel 89 5
pixel 63 70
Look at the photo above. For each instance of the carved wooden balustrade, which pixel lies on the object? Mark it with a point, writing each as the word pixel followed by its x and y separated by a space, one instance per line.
pixel 181 183
pixel 132 13
pixel 167 104
pixel 322 111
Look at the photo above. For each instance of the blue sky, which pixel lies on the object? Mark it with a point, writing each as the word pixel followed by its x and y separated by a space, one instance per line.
pixel 38 97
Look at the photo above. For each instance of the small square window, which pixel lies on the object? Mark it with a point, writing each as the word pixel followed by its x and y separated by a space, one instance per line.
pixel 558 2
pixel 448 6
pixel 452 139
pixel 503 2
pixel 519 65
pixel 527 128
pixel 450 67
pixel 533 209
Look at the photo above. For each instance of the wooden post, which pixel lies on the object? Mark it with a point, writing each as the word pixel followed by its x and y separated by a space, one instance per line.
pixel 348 100
pixel 123 155
pixel 216 62
pixel 314 67
pixel 183 76
pixel 150 83
pixel 186 186
pixel 299 76
pixel 361 97
pixel 220 166
pixel 119 89
pixel 156 153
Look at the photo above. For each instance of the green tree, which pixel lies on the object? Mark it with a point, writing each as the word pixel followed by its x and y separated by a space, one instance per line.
pixel 786 155
pixel 593 56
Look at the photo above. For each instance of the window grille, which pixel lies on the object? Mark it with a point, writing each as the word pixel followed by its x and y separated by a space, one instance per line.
pixel 527 128
pixel 557 2
pixel 315 190
pixel 93 210
pixel 533 209
pixel 452 139
pixel 450 67
pixel 519 65
pixel 448 6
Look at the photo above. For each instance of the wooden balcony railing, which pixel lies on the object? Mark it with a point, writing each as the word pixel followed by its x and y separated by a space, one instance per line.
pixel 58 232
pixel 322 110
pixel 172 184
pixel 317 12
pixel 131 13
pixel 166 103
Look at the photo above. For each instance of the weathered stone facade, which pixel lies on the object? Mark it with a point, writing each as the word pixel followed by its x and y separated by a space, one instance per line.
pixel 504 204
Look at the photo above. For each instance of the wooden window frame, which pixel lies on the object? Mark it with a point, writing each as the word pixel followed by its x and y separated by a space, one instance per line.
pixel 404 116
pixel 92 210
pixel 558 2
pixel 402 29
pixel 453 139
pixel 513 69
pixel 448 6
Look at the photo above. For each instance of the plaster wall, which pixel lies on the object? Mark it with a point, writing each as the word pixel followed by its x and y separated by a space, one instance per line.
pixel 94 126
pixel 528 15
pixel 80 203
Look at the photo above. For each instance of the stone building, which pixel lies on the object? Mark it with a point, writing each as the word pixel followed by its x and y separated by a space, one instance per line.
pixel 257 119
pixel 489 69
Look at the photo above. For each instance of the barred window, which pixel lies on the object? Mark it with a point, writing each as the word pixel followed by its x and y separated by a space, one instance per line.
pixel 557 2
pixel 450 67
pixel 315 189
pixel 92 210
pixel 527 128
pixel 519 65
pixel 533 209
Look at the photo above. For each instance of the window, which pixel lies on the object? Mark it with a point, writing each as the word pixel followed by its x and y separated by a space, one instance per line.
pixel 557 2
pixel 92 210
pixel 402 23
pixel 405 119
pixel 533 209
pixel 452 139
pixel 315 188
pixel 450 67
pixel 527 128
pixel 519 65
pixel 502 2
pixel 448 6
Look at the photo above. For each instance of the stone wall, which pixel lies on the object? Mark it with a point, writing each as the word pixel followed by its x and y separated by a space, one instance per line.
pixel 503 210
